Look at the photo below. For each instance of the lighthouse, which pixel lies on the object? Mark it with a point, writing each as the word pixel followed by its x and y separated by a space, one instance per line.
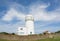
pixel 29 26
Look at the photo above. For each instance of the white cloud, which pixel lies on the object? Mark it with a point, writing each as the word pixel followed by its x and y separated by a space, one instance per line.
pixel 39 12
pixel 13 13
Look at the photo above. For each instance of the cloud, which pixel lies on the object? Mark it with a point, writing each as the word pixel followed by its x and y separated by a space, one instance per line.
pixel 37 10
pixel 40 13
pixel 13 13
pixel 10 28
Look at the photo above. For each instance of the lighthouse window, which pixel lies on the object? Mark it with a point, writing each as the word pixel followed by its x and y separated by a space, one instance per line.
pixel 30 32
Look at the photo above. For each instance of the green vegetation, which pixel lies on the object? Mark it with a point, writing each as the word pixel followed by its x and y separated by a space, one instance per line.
pixel 3 40
pixel 4 33
pixel 57 32
pixel 7 33
pixel 7 40
pixel 48 39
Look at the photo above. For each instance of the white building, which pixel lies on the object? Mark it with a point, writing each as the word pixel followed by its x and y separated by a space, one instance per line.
pixel 22 31
pixel 29 26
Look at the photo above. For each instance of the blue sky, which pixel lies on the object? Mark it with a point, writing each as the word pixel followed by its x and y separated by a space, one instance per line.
pixel 46 14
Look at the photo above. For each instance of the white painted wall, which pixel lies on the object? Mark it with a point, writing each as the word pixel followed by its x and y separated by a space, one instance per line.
pixel 22 31
pixel 30 27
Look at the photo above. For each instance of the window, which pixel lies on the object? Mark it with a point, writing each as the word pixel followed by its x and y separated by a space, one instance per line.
pixel 21 28
pixel 30 32
pixel 21 32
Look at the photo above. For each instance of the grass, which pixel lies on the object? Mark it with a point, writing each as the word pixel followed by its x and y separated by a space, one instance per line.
pixel 48 39
pixel 28 38
pixel 3 40
pixel 7 40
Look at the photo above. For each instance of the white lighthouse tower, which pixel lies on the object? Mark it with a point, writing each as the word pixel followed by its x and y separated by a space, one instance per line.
pixel 29 24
